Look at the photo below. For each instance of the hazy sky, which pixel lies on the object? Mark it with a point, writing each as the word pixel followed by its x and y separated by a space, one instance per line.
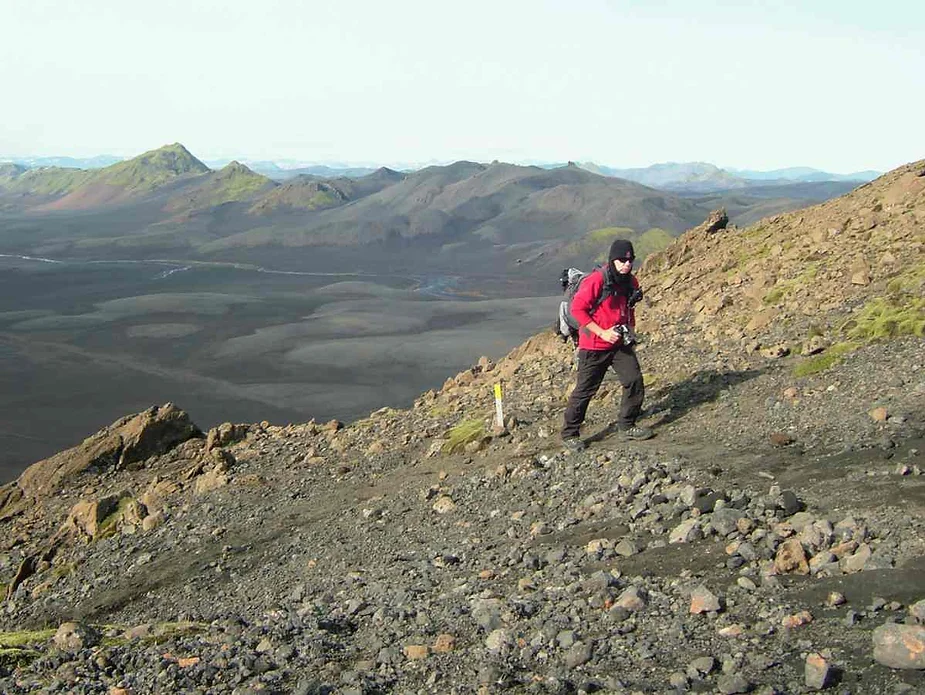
pixel 835 84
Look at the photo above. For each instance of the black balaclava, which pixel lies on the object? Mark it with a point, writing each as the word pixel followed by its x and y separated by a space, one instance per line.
pixel 620 249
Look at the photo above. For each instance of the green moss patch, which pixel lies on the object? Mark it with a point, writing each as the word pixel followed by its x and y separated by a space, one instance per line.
pixel 886 317
pixel 828 359
pixel 15 657
pixel 786 287
pixel 25 638
pixel 110 524
pixel 463 433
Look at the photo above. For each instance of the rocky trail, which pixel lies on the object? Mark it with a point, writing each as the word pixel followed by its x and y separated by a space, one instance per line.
pixel 372 558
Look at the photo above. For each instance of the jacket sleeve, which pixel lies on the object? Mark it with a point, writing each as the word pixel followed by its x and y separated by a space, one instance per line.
pixel 588 291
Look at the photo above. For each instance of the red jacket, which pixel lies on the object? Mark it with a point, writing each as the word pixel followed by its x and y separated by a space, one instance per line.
pixel 612 311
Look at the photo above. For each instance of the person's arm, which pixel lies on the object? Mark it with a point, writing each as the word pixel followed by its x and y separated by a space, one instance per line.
pixel 608 334
pixel 582 303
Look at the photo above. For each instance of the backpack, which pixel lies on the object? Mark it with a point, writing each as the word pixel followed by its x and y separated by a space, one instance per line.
pixel 570 279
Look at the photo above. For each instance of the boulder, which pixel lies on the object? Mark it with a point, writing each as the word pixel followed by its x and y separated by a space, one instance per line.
pixel 900 646
pixel 717 221
pixel 93 518
pixel 72 637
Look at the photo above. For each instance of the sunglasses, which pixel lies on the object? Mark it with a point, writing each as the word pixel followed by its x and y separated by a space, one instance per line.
pixel 625 260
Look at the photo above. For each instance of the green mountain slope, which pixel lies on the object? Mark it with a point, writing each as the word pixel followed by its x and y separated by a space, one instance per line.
pixel 46 181
pixel 140 175
pixel 233 183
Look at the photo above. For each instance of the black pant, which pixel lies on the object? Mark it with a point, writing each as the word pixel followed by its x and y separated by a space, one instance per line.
pixel 592 366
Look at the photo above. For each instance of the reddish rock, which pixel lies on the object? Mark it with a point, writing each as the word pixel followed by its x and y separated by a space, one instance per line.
pixel 791 558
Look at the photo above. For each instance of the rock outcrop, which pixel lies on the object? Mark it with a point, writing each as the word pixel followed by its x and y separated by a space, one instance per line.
pixel 125 443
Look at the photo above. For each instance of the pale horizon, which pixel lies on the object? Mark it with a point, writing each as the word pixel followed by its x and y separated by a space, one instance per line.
pixel 288 163
pixel 623 84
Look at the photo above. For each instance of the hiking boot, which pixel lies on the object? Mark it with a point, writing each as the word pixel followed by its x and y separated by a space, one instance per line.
pixel 637 433
pixel 574 444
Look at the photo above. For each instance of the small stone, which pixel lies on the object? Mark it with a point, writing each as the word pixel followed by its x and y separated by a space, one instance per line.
pixel 816 672
pixel 790 503
pixel 775 352
pixel 747 584
pixel 444 643
pixel 900 646
pixel 917 610
pixel 444 505
pixel 879 414
pixel 797 619
pixel 598 545
pixel 732 684
pixel 578 654
pixel 858 561
pixel 187 661
pixel 791 558
pixel 416 652
pixel 835 598
pixel 631 599
pixel 704 601
pixel 731 631
pixel 137 632
pixel 497 640
pixel 781 439
pixel 686 532
pixel 152 521
pixel 701 666
pixel 626 548
pixel 724 521
pixel 745 525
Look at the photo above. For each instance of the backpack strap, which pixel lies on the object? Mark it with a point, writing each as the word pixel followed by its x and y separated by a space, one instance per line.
pixel 606 290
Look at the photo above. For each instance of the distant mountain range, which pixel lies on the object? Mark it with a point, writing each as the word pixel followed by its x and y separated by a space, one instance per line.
pixel 701 177
pixel 686 176
pixel 166 203
pixel 97 162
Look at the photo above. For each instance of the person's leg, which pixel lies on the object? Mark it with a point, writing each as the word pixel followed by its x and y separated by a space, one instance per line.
pixel 592 366
pixel 628 372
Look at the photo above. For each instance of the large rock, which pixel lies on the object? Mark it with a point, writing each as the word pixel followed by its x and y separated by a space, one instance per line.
pixel 225 434
pixel 72 637
pixel 717 221
pixel 111 513
pixel 125 442
pixel 900 646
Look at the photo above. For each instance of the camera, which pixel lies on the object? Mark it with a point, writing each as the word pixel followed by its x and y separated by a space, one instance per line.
pixel 627 334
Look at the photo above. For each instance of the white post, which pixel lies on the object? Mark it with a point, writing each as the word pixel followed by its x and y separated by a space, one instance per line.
pixel 499 411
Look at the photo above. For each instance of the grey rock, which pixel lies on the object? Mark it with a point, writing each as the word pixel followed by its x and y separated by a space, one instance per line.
pixel 579 653
pixel 701 666
pixel 724 520
pixel 731 684
pixel 900 646
pixel 74 636
pixel 817 672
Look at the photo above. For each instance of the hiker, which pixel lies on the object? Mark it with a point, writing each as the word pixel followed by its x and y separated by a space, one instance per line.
pixel 605 340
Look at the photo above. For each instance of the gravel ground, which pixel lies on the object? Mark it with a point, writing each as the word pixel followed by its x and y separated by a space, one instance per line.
pixel 753 546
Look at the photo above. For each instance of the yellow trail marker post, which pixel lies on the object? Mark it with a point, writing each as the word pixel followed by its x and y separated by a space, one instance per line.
pixel 499 410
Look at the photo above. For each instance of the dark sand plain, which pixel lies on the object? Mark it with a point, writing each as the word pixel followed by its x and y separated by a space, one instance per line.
pixel 83 343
